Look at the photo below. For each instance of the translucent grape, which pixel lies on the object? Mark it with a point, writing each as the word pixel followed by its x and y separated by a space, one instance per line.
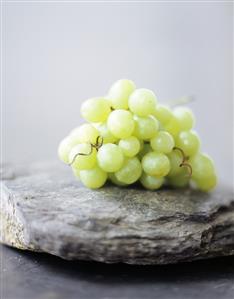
pixel 151 182
pixel 163 142
pixel 130 146
pixel 172 126
pixel 85 133
pixel 93 178
pixel 86 160
pixel 95 109
pixel 120 123
pixel 110 157
pixel 189 142
pixel 65 147
pixel 175 159
pixel 142 102
pixel 185 117
pixel 163 114
pixel 146 149
pixel 115 181
pixel 105 133
pixel 181 180
pixel 130 172
pixel 156 164
pixel 120 92
pixel 145 127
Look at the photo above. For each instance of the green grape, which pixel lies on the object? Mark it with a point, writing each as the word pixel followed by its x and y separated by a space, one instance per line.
pixel 189 142
pixel 163 114
pixel 181 180
pixel 175 159
pixel 203 172
pixel 86 160
pixel 85 133
pixel 146 149
pixel 93 178
pixel 76 172
pixel 145 127
pixel 65 147
pixel 151 182
pixel 172 126
pixel 185 117
pixel 106 134
pixel 96 109
pixel 115 181
pixel 130 171
pixel 120 92
pixel 156 164
pixel 142 102
pixel 163 142
pixel 130 146
pixel 120 123
pixel 110 157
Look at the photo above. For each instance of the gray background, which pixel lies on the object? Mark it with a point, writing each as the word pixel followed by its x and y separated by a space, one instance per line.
pixel 55 55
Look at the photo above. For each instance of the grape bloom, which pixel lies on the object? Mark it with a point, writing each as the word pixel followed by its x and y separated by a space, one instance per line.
pixel 129 137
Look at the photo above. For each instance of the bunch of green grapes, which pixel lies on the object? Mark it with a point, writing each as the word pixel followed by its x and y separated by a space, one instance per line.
pixel 130 137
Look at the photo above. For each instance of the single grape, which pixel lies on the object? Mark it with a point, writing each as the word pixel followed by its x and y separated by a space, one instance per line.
pixel 142 102
pixel 65 147
pixel 130 172
pixel 110 157
pixel 181 180
pixel 156 164
pixel 105 133
pixel 76 172
pixel 85 133
pixel 120 92
pixel 207 183
pixel 163 114
pixel 151 182
pixel 185 117
pixel 189 142
pixel 163 142
pixel 86 159
pixel 175 159
pixel 130 146
pixel 95 109
pixel 93 178
pixel 172 126
pixel 115 181
pixel 146 149
pixel 145 127
pixel 120 123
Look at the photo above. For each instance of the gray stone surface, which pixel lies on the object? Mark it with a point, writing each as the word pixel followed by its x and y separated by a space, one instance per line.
pixel 43 208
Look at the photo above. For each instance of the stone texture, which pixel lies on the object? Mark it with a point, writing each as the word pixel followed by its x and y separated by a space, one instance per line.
pixel 43 208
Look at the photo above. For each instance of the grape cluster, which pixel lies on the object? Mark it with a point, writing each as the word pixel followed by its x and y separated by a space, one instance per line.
pixel 129 136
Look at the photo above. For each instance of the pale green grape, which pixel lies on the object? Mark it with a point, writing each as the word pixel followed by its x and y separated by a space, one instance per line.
pixel 145 127
pixel 189 142
pixel 120 123
pixel 106 134
pixel 175 159
pixel 146 149
pixel 86 159
pixel 151 182
pixel 76 172
pixel 130 146
pixel 115 181
pixel 156 164
pixel 93 178
pixel 130 172
pixel 96 109
pixel 110 157
pixel 172 126
pixel 142 102
pixel 203 172
pixel 181 180
pixel 65 147
pixel 163 142
pixel 163 114
pixel 85 133
pixel 185 117
pixel 120 92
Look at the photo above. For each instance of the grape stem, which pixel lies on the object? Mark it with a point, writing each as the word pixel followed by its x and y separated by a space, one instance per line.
pixel 185 159
pixel 95 145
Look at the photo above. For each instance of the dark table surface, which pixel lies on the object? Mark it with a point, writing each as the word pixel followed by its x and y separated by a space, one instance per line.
pixel 27 275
